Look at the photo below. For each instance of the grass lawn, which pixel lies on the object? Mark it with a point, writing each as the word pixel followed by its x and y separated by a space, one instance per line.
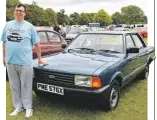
pixel 132 106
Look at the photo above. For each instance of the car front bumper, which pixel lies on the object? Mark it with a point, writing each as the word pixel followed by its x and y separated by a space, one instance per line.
pixel 83 93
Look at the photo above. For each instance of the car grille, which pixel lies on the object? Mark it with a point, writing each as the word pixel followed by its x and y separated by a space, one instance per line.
pixel 61 79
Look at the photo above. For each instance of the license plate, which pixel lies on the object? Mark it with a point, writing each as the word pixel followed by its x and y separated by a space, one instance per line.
pixel 50 88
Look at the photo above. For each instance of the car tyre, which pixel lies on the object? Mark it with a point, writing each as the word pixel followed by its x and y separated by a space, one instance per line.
pixel 112 100
pixel 145 73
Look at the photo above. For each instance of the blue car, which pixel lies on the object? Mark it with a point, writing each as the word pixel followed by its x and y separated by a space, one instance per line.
pixel 96 65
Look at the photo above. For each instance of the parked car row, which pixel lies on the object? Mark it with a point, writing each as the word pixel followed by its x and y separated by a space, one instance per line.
pixel 76 29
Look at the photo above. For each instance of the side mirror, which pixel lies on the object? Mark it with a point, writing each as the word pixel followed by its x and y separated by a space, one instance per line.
pixel 132 50
pixel 64 46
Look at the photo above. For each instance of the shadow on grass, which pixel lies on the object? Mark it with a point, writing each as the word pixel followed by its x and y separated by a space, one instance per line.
pixel 61 102
pixel 67 108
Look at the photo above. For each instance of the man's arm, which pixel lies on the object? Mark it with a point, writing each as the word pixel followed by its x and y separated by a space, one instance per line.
pixel 35 42
pixel 3 38
pixel 38 51
pixel 3 50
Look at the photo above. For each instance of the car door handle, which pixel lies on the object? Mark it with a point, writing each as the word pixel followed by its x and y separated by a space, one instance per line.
pixel 147 52
pixel 136 57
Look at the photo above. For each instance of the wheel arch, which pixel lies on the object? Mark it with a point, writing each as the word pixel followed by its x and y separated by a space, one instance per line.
pixel 118 76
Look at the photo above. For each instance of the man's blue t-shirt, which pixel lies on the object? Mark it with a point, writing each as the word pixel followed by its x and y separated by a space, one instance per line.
pixel 19 38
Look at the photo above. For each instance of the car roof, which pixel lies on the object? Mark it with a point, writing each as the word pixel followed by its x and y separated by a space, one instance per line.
pixel 40 29
pixel 109 32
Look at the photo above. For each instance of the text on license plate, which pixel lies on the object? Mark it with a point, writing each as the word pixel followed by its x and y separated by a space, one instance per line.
pixel 50 88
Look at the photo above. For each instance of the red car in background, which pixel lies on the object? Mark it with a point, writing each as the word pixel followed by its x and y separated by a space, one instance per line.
pixel 142 31
pixel 50 42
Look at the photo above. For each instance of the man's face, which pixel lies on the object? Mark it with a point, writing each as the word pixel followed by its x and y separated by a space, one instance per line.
pixel 19 13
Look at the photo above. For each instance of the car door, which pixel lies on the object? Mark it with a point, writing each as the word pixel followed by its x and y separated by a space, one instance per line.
pixel 130 59
pixel 142 55
pixel 55 41
pixel 44 43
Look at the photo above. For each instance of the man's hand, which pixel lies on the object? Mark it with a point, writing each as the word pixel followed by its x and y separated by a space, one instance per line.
pixel 41 61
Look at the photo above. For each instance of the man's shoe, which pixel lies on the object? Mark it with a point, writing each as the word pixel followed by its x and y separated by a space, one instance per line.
pixel 16 111
pixel 29 113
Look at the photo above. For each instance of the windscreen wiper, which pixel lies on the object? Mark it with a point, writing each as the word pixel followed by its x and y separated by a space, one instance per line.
pixel 82 49
pixel 109 51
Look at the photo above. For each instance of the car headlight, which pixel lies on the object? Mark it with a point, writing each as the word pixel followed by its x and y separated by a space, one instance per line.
pixel 87 81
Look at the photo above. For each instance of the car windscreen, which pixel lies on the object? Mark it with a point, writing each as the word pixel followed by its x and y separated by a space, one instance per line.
pixel 108 42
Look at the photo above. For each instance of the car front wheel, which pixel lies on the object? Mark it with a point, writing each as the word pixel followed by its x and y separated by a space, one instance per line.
pixel 111 101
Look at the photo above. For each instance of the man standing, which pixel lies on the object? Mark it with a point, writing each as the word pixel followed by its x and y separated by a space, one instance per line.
pixel 18 38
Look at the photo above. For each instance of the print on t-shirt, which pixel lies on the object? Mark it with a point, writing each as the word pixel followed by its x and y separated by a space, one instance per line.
pixel 14 37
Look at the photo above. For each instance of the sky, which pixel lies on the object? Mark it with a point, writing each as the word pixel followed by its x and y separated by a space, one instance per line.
pixel 89 6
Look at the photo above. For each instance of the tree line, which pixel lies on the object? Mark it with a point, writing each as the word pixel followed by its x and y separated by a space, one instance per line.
pixel 38 16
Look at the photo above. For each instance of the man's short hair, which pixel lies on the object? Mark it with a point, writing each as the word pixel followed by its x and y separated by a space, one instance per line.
pixel 22 5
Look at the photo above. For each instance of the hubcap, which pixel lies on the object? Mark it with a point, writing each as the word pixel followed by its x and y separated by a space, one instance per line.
pixel 113 97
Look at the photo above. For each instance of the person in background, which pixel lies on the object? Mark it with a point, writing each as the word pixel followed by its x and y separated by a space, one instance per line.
pixel 57 28
pixel 19 36
pixel 64 30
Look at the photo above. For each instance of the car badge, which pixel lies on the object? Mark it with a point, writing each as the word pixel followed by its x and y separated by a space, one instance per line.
pixel 51 76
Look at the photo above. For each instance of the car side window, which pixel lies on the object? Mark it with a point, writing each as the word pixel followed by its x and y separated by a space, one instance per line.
pixel 137 41
pixel 129 42
pixel 42 36
pixel 53 37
